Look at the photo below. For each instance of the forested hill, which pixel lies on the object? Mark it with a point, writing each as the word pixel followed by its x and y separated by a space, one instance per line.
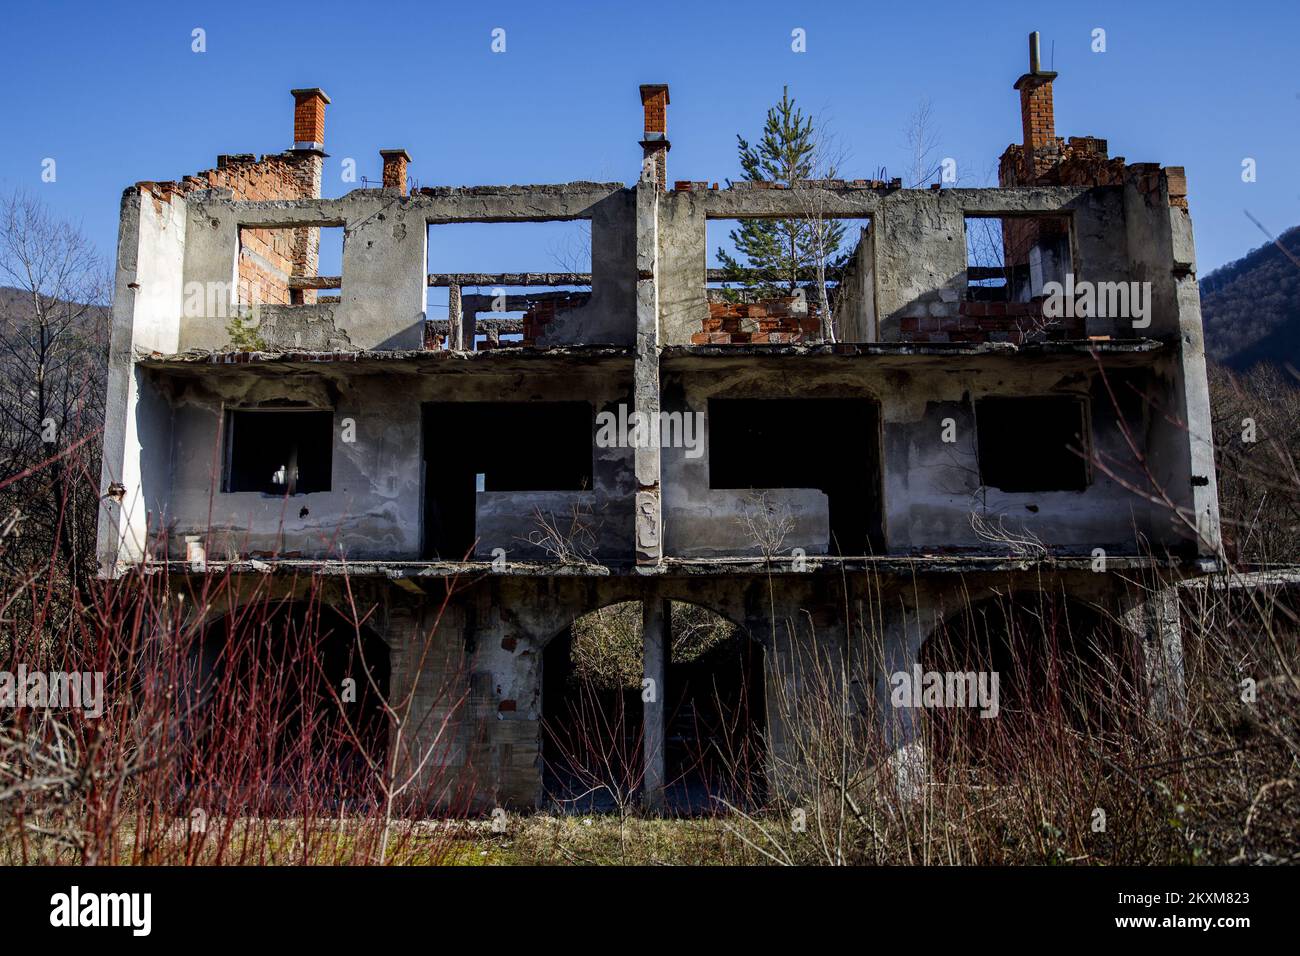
pixel 1251 307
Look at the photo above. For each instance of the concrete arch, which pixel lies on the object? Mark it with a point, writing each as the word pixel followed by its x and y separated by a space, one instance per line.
pixel 693 729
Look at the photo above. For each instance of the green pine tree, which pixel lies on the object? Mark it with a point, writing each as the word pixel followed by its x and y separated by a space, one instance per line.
pixel 780 249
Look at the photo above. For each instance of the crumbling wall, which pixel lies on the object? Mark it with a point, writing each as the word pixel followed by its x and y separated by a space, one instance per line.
pixel 935 501
pixel 855 296
pixel 267 257
pixel 374 508
pixel 147 302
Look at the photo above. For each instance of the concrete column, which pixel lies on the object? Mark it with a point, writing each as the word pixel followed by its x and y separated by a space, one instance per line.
pixel 656 648
pixel 905 631
pixel 455 330
pixel 645 376
pixel 1155 620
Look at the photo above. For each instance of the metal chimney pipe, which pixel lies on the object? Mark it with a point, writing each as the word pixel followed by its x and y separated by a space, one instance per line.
pixel 1033 52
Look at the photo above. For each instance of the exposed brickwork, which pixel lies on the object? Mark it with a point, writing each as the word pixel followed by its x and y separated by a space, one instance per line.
pixel 1038 123
pixel 543 313
pixel 268 257
pixel 395 162
pixel 1078 161
pixel 654 100
pixel 770 321
pixel 309 116
pixel 1014 322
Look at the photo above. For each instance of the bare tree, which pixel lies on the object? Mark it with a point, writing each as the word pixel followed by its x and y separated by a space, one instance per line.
pixel 922 141
pixel 53 344
pixel 825 236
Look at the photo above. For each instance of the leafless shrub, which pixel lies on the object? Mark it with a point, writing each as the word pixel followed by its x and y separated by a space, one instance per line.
pixel 993 530
pixel 572 541
pixel 766 522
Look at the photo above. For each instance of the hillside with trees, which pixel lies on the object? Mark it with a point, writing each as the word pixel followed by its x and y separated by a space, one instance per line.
pixel 1251 307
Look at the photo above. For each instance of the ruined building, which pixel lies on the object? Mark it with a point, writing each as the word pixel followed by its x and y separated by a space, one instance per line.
pixel 949 434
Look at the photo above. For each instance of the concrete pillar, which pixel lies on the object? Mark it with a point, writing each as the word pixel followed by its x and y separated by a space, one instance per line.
pixel 656 641
pixel 1154 620
pixel 905 631
pixel 645 377
pixel 455 330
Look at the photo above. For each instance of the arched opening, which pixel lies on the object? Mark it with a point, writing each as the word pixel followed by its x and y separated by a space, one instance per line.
pixel 1008 674
pixel 593 713
pixel 286 709
pixel 716 714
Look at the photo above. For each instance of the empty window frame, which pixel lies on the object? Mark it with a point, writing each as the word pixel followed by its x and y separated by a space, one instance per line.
pixel 830 444
pixel 764 279
pixel 1010 259
pixel 498 446
pixel 290 266
pixel 1033 444
pixel 280 451
pixel 544 268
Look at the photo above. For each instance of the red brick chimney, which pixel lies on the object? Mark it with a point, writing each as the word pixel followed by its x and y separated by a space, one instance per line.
pixel 395 161
pixel 655 145
pixel 308 160
pixel 1036 114
pixel 309 119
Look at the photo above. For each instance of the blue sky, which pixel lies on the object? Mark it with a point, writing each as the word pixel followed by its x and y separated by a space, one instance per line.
pixel 114 93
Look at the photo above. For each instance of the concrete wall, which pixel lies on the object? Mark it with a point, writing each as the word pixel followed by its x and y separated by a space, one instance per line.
pixel 855 301
pixel 147 301
pixel 915 259
pixel 929 488
pixel 384 259
pixel 374 509
pixel 932 487
pixel 1163 253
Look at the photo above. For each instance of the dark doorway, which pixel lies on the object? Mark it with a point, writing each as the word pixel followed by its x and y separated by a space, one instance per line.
pixel 715 716
pixel 830 444
pixel 286 708
pixel 497 446
pixel 1062 665
pixel 591 712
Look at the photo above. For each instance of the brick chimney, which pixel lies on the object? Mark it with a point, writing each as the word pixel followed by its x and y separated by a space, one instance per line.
pixel 309 119
pixel 655 145
pixel 307 157
pixel 1036 114
pixel 395 161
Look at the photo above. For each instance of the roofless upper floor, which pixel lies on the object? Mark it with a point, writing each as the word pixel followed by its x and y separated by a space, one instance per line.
pixel 230 259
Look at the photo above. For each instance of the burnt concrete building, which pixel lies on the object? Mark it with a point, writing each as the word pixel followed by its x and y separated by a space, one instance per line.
pixel 1002 391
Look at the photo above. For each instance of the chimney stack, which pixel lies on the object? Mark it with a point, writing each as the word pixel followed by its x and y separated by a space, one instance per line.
pixel 1036 112
pixel 655 145
pixel 395 161
pixel 309 120
pixel 308 159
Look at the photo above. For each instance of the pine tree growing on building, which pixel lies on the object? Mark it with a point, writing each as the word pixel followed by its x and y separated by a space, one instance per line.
pixel 784 252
